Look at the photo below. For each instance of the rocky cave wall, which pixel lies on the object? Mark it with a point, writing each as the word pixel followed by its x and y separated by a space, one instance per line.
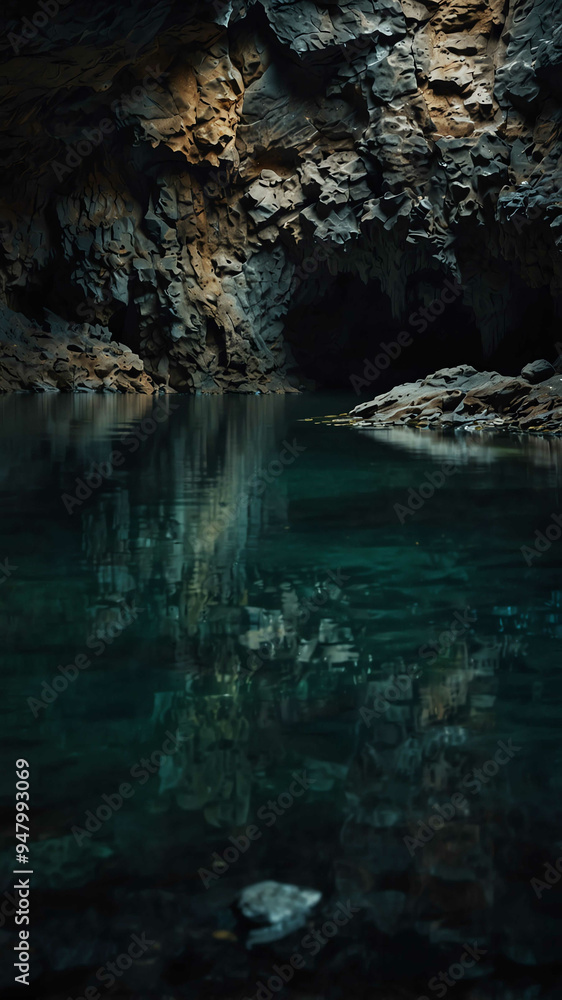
pixel 189 188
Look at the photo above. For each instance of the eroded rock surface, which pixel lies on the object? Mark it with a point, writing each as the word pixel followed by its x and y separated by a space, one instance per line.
pixel 185 175
pixel 463 398
pixel 66 358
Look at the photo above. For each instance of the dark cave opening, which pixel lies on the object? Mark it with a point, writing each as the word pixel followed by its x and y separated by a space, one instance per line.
pixel 124 326
pixel 348 334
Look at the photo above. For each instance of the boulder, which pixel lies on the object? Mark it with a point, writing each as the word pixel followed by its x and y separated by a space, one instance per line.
pixel 279 907
pixel 538 371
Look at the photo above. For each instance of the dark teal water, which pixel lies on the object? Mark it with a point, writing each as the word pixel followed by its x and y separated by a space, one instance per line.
pixel 242 600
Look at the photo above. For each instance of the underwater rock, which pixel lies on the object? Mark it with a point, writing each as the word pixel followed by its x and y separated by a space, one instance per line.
pixel 283 908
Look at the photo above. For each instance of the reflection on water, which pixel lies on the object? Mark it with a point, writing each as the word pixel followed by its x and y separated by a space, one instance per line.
pixel 249 636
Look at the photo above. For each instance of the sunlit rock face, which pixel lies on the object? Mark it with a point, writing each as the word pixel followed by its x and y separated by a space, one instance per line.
pixel 250 195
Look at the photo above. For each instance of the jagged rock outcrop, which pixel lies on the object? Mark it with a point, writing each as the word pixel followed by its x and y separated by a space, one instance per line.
pixel 462 398
pixel 198 179
pixel 66 358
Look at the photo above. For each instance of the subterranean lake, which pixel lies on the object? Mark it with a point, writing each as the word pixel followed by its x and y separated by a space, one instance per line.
pixel 242 644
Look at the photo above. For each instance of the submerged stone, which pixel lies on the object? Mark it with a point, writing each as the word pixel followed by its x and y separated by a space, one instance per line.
pixel 282 908
pixel 271 902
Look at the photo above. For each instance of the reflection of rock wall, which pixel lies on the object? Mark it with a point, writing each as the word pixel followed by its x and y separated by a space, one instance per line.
pixel 179 562
pixel 184 556
pixel 211 773
pixel 262 664
pixel 417 858
pixel 183 167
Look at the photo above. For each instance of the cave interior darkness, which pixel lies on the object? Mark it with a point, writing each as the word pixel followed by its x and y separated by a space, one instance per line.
pixel 338 322
pixel 332 336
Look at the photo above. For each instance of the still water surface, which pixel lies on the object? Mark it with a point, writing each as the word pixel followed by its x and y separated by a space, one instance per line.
pixel 241 601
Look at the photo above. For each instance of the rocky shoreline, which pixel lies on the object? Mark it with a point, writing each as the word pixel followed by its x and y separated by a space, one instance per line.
pixel 72 358
pixel 463 399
